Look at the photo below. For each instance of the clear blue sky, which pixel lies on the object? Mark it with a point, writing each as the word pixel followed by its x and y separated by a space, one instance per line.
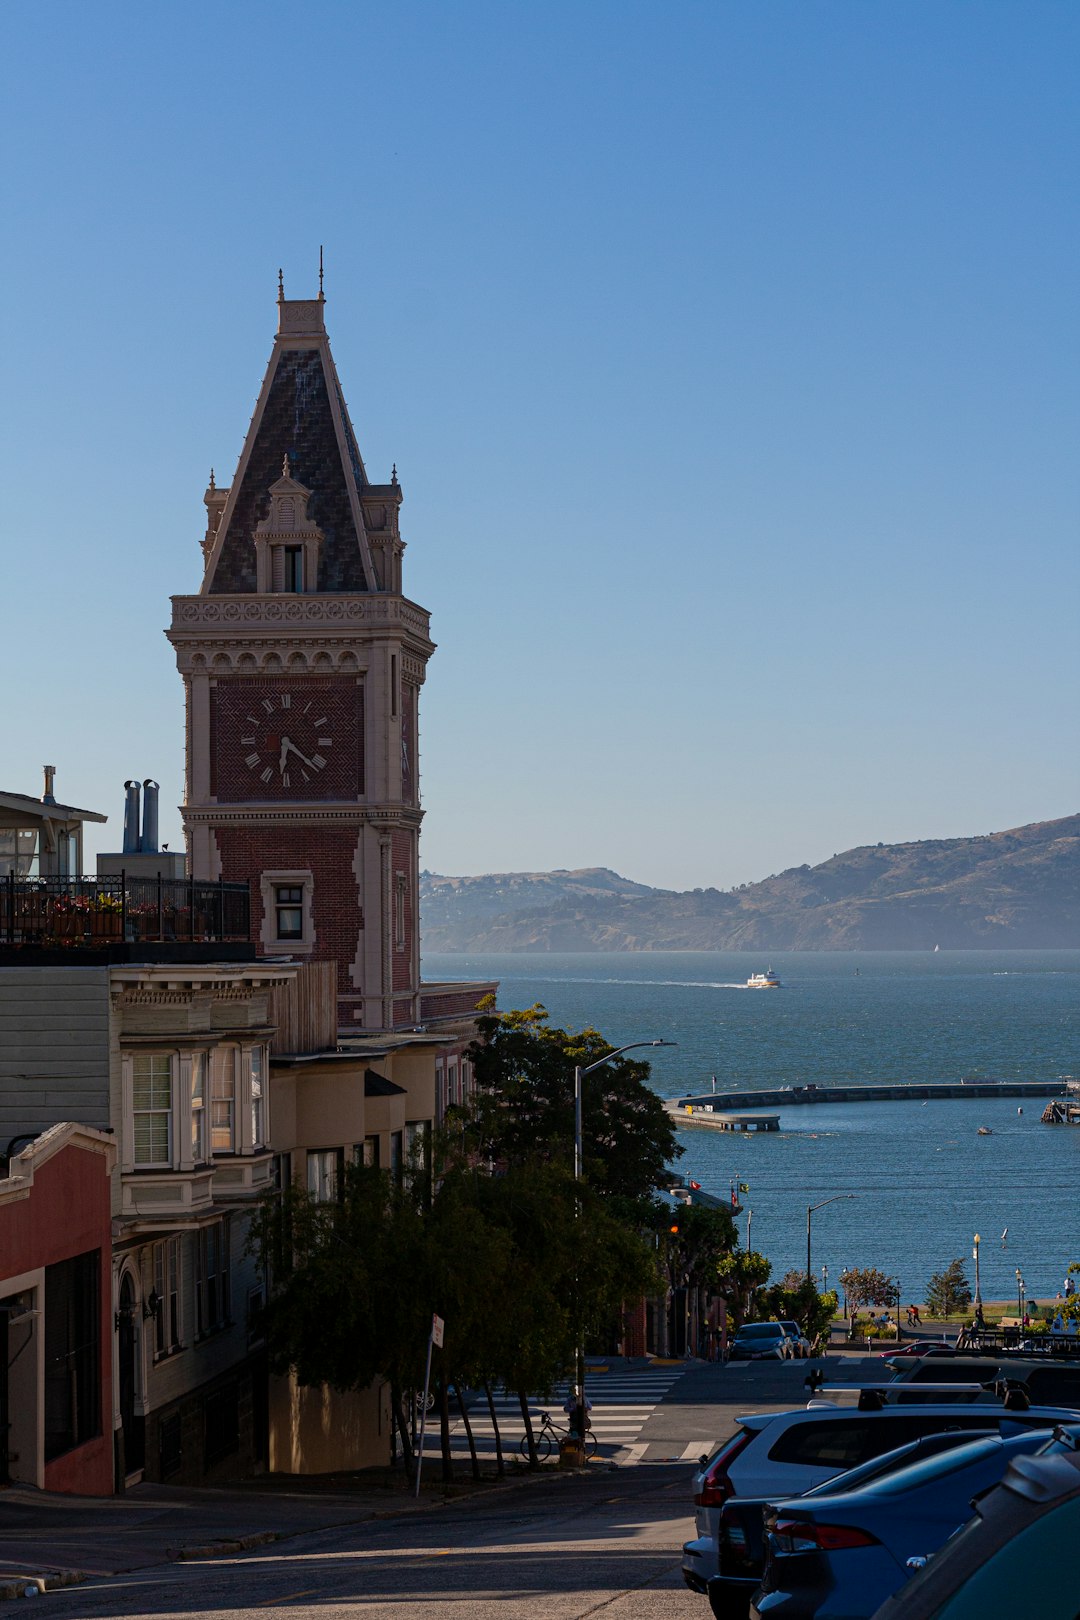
pixel 728 354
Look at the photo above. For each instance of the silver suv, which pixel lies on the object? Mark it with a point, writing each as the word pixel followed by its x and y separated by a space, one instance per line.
pixel 782 1454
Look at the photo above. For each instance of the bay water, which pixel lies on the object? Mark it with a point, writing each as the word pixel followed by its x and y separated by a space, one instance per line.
pixel 924 1182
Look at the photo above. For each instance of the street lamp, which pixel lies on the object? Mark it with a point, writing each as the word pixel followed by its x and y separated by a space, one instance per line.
pixel 810 1208
pixel 975 1257
pixel 579 1075
pixel 1020 1295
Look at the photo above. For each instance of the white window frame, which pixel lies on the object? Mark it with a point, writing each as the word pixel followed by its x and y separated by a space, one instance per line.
pixel 269 883
pixel 156 1161
pixel 324 1171
pixel 224 1063
pixel 200 1068
pixel 212 1278
pixel 257 1067
pixel 169 1288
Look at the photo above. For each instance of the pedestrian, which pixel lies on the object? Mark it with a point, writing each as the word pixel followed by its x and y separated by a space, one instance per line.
pixel 578 1416
pixel 916 1319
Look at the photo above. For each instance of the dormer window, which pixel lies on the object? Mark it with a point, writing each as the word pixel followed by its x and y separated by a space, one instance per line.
pixel 287 543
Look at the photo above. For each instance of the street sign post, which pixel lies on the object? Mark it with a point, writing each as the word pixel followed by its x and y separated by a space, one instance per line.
pixel 438 1329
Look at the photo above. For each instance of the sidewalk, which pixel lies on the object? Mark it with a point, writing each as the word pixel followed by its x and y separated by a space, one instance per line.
pixel 48 1541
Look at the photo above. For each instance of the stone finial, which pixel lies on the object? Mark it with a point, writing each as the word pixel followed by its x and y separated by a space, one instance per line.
pixel 285 470
pixel 281 286
pixel 393 473
pixel 320 270
pixel 213 486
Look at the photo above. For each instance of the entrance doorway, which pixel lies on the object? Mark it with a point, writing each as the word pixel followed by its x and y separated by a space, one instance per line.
pixel 133 1427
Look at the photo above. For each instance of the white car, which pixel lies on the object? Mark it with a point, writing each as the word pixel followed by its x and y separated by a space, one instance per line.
pixel 783 1454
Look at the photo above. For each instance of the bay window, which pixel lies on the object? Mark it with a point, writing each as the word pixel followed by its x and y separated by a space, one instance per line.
pixel 223 1100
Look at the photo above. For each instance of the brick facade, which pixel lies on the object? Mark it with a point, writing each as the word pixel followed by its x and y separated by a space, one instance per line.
pixel 248 724
pixel 330 854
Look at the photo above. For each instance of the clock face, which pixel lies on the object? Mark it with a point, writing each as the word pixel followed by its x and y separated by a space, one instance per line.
pixel 287 740
pixel 287 745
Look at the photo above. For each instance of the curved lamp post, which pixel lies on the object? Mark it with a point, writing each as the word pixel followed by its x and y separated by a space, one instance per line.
pixel 579 1075
pixel 810 1208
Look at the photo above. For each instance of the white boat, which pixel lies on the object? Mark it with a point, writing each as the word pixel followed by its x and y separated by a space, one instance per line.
pixel 763 981
pixel 984 1130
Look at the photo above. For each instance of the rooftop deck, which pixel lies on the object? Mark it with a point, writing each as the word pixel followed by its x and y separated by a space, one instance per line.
pixel 77 914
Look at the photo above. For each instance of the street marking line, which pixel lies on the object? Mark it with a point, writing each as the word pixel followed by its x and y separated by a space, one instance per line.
pixel 285 1597
pixel 693 1451
pixel 634 1454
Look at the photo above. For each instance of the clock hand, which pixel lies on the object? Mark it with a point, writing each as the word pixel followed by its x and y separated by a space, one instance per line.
pixel 291 746
pixel 285 746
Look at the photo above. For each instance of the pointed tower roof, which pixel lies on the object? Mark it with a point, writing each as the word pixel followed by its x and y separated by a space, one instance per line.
pixel 300 415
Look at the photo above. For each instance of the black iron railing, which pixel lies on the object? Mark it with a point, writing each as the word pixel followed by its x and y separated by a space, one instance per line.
pixel 95 911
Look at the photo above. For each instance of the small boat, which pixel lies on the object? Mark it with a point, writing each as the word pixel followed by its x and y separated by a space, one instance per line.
pixel 984 1130
pixel 763 981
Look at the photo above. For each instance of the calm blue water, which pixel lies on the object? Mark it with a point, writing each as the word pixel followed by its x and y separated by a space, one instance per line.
pixel 924 1181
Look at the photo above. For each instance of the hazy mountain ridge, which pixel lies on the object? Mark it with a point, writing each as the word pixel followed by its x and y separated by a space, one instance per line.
pixel 1018 889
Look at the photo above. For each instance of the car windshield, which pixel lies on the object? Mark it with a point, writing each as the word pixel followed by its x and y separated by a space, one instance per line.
pixel 760 1330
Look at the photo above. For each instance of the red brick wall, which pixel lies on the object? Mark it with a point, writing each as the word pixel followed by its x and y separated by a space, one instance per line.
pixel 328 853
pixel 461 1001
pixel 339 702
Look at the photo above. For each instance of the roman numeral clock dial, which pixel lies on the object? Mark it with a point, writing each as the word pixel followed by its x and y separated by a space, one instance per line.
pixel 286 740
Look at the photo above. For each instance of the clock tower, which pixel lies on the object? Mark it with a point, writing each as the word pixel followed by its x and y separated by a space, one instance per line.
pixel 302 664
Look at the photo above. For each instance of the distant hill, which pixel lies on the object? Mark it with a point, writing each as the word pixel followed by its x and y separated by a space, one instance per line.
pixel 1018 889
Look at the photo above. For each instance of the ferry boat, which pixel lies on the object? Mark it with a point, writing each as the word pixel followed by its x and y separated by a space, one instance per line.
pixel 763 981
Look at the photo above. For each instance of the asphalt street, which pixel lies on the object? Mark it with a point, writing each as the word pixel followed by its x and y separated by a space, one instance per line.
pixel 562 1546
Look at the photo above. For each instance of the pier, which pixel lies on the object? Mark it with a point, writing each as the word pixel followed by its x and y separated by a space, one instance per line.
pixel 731 1104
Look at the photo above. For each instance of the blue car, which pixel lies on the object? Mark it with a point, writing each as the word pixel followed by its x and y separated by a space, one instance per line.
pixel 840 1557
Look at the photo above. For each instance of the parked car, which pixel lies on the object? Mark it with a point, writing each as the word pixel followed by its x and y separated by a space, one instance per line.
pixel 842 1555
pixel 741 1531
pixel 917 1347
pixel 1044 1380
pixel 782 1454
pixel 1016 1556
pixel 760 1341
pixel 800 1344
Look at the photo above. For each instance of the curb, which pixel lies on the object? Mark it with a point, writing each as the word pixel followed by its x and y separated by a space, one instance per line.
pixel 218 1549
pixel 26 1586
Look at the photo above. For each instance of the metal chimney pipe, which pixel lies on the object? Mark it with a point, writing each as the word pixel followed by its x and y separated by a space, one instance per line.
pixel 150 817
pixel 50 777
pixel 131 818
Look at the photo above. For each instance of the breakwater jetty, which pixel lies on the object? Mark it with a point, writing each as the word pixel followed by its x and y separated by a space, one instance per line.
pixel 728 1102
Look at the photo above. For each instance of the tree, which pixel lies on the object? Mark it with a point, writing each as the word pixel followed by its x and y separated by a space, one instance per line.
pixel 738 1276
pixel 795 1298
pixel 868 1286
pixel 524 1107
pixel 948 1293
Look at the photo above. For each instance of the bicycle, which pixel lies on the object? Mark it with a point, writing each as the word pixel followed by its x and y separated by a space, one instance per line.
pixel 546 1439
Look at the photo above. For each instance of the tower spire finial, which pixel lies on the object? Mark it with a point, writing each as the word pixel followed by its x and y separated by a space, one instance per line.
pixel 212 484
pixel 320 270
pixel 281 287
pixel 286 471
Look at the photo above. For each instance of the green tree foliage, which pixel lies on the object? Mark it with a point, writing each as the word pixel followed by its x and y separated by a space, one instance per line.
pixel 866 1285
pixel 524 1107
pixel 505 1260
pixel 738 1276
pixel 696 1238
pixel 795 1298
pixel 948 1292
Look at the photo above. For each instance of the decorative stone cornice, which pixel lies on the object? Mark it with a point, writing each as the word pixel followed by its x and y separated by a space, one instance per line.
pixel 290 815
pixel 336 614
